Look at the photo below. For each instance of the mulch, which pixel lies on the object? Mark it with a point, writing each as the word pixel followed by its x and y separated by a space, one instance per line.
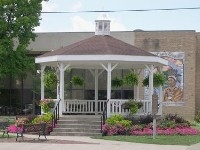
pixel 31 140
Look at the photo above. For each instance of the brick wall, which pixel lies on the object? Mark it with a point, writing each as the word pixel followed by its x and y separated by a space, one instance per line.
pixel 197 91
pixel 175 41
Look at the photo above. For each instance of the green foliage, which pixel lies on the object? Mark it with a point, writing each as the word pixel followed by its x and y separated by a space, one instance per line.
pixel 18 18
pixel 140 120
pixel 171 121
pixel 77 81
pixel 50 80
pixel 176 118
pixel 118 119
pixel 131 79
pixel 158 79
pixel 47 104
pixel 164 124
pixel 43 118
pixel 126 123
pixel 133 105
pixel 116 82
pixel 114 119
pixel 197 117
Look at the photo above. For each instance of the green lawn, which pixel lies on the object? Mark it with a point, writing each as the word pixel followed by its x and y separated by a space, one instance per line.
pixel 161 140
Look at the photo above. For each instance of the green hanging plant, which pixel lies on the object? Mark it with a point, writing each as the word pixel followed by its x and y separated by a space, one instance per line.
pixel 131 79
pixel 132 105
pixel 158 79
pixel 116 82
pixel 50 80
pixel 77 81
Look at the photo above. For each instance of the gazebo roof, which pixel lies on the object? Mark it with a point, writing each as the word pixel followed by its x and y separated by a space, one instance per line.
pixel 99 45
pixel 100 49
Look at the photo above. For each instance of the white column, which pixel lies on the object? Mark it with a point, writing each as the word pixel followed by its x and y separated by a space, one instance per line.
pixel 108 88
pixel 109 69
pixel 137 87
pixel 42 81
pixel 58 84
pixel 96 90
pixel 62 105
pixel 160 95
pixel 151 85
pixel 96 75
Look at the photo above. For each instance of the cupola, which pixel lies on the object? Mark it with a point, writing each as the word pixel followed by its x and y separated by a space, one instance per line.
pixel 102 25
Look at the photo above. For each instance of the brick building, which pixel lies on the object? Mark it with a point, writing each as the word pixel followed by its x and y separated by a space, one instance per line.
pixel 186 41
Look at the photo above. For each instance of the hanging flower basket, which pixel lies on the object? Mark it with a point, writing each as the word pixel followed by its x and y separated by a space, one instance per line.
pixel 116 82
pixel 158 79
pixel 47 105
pixel 77 81
pixel 131 79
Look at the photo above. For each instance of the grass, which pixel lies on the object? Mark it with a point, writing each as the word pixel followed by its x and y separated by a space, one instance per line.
pixel 5 136
pixel 161 140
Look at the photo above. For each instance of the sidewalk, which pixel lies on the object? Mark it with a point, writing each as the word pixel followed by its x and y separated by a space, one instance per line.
pixel 86 143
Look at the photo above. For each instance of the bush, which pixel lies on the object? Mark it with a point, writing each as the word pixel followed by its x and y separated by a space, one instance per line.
pixel 114 119
pixel 146 119
pixel 43 118
pixel 133 105
pixel 176 118
pixel 197 117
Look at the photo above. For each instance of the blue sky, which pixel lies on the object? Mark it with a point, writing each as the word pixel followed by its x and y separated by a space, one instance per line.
pixel 120 21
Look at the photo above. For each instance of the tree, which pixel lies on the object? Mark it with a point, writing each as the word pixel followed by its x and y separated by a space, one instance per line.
pixel 18 18
pixel 17 21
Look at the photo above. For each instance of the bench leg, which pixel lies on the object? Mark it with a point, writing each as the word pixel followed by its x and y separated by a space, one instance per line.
pixel 43 133
pixel 20 135
pixel 5 132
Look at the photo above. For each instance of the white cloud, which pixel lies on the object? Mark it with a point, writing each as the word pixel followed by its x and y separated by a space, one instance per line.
pixel 80 24
pixel 47 6
pixel 116 25
pixel 77 6
pixel 39 29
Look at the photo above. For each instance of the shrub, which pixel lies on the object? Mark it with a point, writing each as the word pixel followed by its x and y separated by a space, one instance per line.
pixel 176 118
pixel 114 119
pixel 197 117
pixel 164 124
pixel 43 118
pixel 146 119
pixel 133 105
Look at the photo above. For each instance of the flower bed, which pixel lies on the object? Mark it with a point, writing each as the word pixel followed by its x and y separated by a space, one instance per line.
pixel 169 125
pixel 135 130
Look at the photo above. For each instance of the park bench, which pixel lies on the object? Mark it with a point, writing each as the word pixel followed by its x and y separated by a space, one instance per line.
pixel 39 129
pixel 3 127
pixel 24 126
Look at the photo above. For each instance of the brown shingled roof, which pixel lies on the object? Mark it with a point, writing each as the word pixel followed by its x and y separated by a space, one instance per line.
pixel 99 45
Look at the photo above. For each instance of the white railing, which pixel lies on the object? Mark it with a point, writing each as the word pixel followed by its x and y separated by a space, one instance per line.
pixel 116 107
pixel 90 106
pixel 84 106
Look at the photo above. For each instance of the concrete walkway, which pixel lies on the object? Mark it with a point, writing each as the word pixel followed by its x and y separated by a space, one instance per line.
pixel 86 143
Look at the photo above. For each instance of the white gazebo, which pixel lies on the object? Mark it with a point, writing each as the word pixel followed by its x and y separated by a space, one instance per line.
pixel 98 53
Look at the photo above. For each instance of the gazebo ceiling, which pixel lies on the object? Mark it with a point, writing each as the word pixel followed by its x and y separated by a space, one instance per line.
pixel 100 49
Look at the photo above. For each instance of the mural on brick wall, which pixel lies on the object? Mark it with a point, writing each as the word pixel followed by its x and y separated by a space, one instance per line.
pixel 173 94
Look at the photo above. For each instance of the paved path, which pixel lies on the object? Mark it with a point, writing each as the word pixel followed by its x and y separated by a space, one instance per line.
pixel 86 143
